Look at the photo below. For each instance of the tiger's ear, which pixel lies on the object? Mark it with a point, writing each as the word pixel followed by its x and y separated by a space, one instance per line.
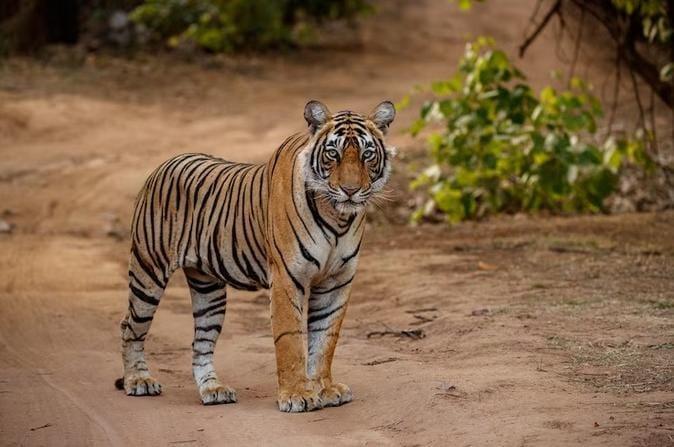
pixel 316 114
pixel 383 115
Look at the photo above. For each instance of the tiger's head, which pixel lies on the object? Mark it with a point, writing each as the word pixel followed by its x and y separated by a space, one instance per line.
pixel 347 160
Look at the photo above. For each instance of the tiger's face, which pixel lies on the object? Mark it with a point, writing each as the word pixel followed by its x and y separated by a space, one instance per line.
pixel 347 159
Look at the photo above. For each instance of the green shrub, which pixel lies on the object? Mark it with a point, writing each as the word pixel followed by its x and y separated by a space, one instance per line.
pixel 228 25
pixel 503 148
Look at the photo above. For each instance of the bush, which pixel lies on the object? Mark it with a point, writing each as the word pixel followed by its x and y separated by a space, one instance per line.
pixel 228 25
pixel 505 149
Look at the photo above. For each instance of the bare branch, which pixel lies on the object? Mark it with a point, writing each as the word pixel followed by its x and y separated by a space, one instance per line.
pixel 616 90
pixel 576 50
pixel 624 36
pixel 533 16
pixel 651 111
pixel 559 39
pixel 649 73
pixel 637 96
pixel 554 10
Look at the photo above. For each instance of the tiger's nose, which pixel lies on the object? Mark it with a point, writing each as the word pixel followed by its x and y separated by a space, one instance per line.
pixel 350 190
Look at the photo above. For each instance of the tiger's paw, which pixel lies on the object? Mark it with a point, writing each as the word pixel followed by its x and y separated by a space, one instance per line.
pixel 215 393
pixel 141 385
pixel 298 401
pixel 336 394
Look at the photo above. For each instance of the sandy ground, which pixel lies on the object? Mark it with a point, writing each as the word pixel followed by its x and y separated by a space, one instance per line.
pixel 520 331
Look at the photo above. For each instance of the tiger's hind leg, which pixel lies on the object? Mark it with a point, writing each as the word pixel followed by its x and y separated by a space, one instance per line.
pixel 145 291
pixel 209 302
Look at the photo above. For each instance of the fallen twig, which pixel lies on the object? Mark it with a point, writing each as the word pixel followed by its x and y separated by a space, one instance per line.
pixel 414 334
pixel 379 362
pixel 421 319
pixel 560 249
pixel 448 390
pixel 425 309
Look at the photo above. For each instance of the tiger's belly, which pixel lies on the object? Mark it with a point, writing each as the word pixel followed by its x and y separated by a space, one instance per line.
pixel 239 269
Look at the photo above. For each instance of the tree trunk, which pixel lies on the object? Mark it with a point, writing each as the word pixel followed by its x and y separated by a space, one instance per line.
pixel 27 25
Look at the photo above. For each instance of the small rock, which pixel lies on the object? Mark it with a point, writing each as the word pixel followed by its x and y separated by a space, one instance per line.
pixel 119 29
pixel 113 227
pixel 479 312
pixel 118 20
pixel 5 227
pixel 446 387
pixel 486 266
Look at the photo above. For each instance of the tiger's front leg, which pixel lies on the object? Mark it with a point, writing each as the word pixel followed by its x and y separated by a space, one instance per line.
pixel 295 392
pixel 327 306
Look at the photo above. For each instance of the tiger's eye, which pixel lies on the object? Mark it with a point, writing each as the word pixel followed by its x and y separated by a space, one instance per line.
pixel 368 154
pixel 332 153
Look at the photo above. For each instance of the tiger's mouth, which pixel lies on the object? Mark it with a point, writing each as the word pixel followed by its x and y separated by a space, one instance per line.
pixel 349 206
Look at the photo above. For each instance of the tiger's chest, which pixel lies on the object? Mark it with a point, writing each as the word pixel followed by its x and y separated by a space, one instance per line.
pixel 335 260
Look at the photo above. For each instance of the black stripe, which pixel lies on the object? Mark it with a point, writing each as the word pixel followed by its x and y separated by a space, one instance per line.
pixel 314 317
pixel 299 285
pixel 234 232
pixel 149 271
pixel 205 289
pixel 220 304
pixel 212 327
pixel 318 219
pixel 323 292
pixel 143 296
pixel 135 317
pixel 292 196
pixel 352 255
pixel 303 249
pixel 283 334
pixel 255 248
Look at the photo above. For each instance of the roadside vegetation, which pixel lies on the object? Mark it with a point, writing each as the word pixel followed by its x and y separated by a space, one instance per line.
pixel 502 147
pixel 495 144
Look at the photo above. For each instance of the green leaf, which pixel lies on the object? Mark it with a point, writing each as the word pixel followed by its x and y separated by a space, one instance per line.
pixel 465 4
pixel 449 200
pixel 403 103
pixel 667 72
pixel 417 126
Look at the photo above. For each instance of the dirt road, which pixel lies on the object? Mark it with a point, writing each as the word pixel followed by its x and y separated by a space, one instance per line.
pixel 546 332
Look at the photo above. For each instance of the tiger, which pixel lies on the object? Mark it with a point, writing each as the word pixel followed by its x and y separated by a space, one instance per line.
pixel 293 225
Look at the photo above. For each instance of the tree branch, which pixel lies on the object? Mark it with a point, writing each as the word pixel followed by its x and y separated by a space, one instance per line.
pixel 625 38
pixel 576 50
pixel 637 96
pixel 616 91
pixel 548 15
pixel 654 136
pixel 649 73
